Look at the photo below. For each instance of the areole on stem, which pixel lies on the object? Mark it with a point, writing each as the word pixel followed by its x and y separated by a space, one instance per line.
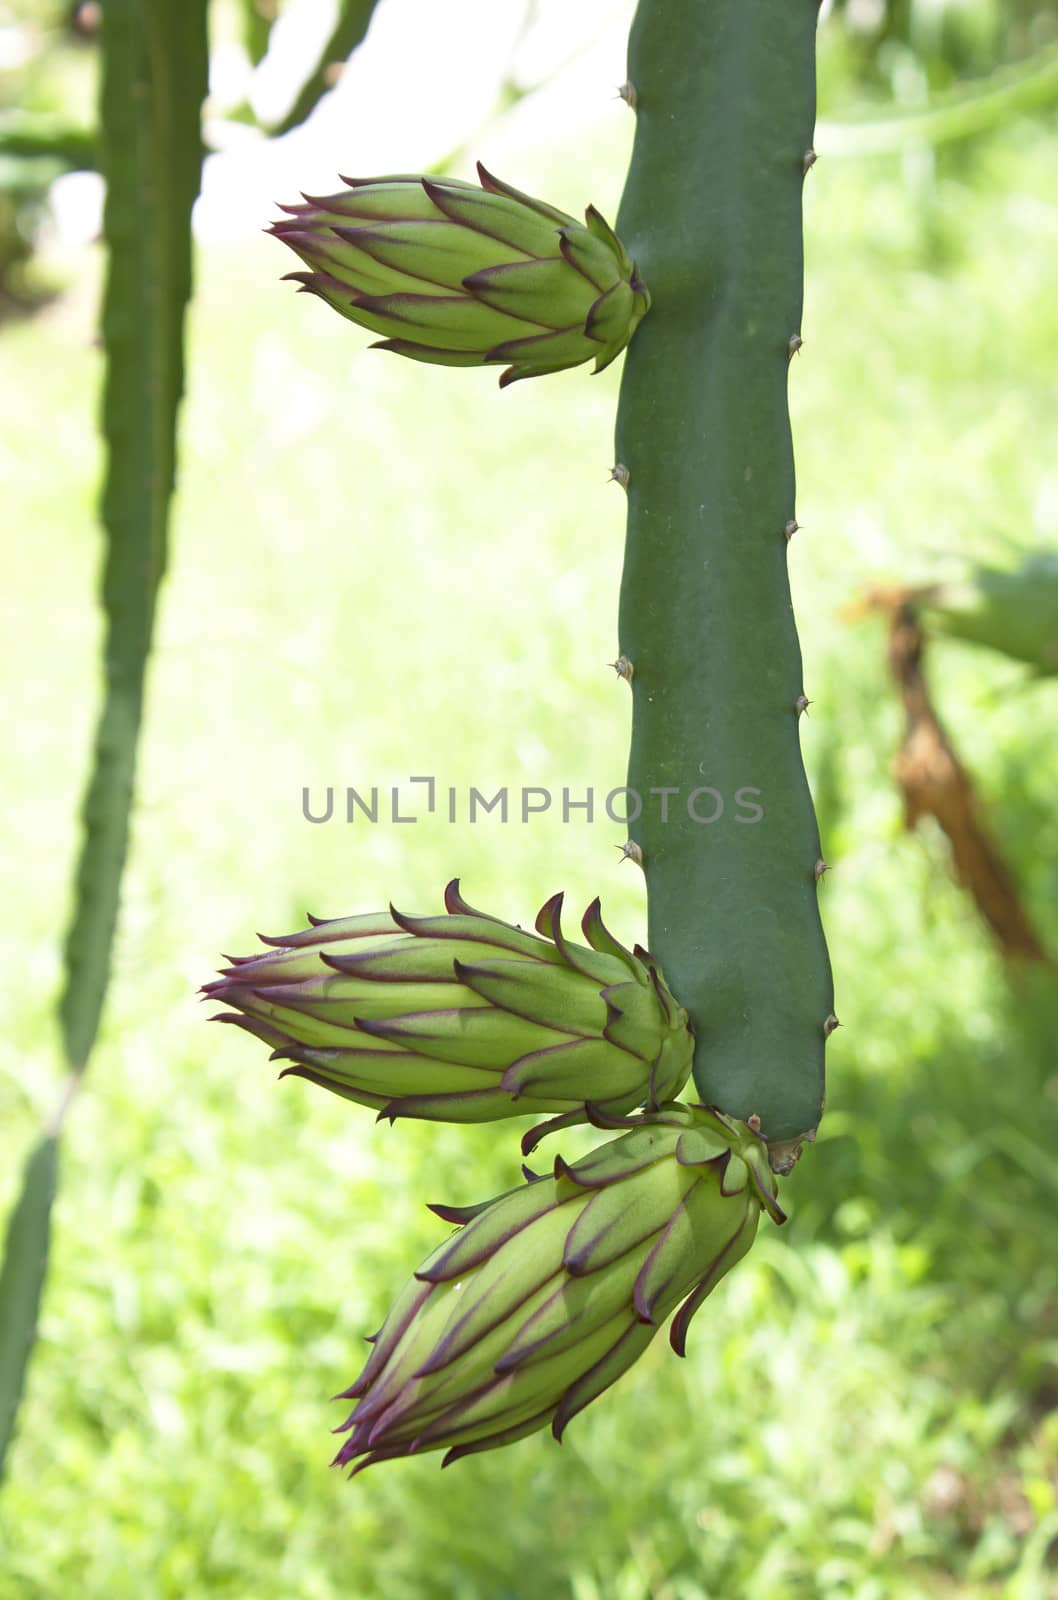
pixel 725 104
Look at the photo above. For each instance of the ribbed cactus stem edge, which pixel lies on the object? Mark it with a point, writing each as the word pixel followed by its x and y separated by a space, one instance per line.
pixel 725 107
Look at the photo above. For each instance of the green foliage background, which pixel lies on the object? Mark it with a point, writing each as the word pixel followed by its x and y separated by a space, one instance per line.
pixel 380 571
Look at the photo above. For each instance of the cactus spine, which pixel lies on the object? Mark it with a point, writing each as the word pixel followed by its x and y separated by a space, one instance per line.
pixel 725 105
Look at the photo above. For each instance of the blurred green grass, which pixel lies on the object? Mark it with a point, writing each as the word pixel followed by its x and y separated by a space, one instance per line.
pixel 379 571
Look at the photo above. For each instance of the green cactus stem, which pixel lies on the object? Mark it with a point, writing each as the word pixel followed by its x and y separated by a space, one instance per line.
pixel 725 105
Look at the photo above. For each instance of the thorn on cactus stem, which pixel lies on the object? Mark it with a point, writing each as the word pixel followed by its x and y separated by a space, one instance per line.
pixel 753 1122
pixel 790 529
pixel 809 160
pixel 627 93
pixel 829 1025
pixel 801 704
pixel 623 668
pixel 794 344
pixel 619 474
pixel 631 851
pixel 820 870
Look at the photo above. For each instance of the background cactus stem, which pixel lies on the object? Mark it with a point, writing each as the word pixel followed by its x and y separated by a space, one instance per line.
pixel 712 214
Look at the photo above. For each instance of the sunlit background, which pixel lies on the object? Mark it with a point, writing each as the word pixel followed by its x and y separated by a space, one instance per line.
pixel 382 570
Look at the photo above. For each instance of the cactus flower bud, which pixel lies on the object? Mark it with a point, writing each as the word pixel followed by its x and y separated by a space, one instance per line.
pixel 463 1017
pixel 464 276
pixel 546 1295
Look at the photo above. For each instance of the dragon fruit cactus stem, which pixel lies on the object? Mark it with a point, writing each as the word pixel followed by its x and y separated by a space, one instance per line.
pixel 725 105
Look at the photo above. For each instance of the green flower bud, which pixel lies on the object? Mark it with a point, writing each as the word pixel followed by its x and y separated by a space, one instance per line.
pixel 462 276
pixel 546 1295
pixel 463 1017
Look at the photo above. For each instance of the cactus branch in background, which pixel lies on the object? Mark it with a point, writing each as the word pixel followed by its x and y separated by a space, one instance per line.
pixel 155 75
pixel 963 112
pixel 36 136
pixel 348 33
pixel 725 103
pixel 22 1275
pixel 1013 610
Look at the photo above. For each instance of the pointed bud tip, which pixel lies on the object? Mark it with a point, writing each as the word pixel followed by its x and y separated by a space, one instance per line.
pixel 457 1215
pixel 549 917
